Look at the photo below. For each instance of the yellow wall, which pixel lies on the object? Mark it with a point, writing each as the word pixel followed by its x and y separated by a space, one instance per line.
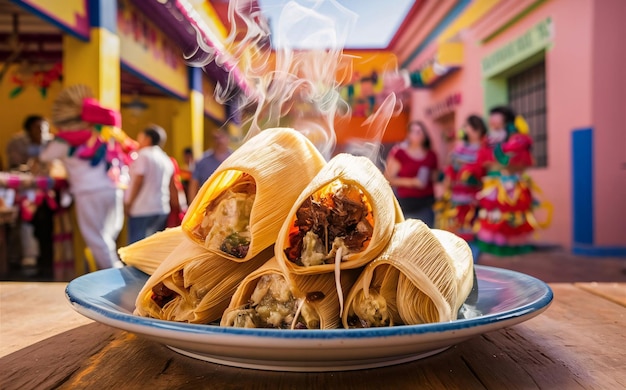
pixel 159 112
pixel 94 64
pixel 163 111
pixel 13 111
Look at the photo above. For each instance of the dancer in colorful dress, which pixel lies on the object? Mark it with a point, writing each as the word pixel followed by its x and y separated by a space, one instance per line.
pixel 96 159
pixel 457 210
pixel 505 220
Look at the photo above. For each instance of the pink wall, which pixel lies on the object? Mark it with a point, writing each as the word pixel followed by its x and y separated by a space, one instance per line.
pixel 570 93
pixel 609 121
pixel 569 87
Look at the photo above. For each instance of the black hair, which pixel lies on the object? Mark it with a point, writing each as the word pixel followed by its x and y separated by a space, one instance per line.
pixel 426 142
pixel 30 120
pixel 188 150
pixel 477 123
pixel 156 134
pixel 507 113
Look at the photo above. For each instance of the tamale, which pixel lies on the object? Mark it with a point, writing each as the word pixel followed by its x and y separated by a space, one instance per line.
pixel 414 281
pixel 239 210
pixel 147 254
pixel 346 214
pixel 269 297
pixel 193 284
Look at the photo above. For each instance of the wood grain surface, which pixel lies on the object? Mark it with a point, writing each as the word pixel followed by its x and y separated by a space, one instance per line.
pixel 578 343
pixel 31 312
pixel 615 292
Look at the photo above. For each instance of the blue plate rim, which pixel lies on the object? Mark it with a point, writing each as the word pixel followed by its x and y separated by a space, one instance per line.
pixel 536 306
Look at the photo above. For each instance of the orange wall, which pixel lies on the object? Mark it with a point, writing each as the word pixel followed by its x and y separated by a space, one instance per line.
pixel 363 63
pixel 353 129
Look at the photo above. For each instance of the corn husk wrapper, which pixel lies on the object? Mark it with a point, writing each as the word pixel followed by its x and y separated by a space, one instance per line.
pixel 463 261
pixel 362 173
pixel 204 287
pixel 423 276
pixel 147 254
pixel 282 162
pixel 327 308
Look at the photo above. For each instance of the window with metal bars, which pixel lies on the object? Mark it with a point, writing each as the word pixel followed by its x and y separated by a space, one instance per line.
pixel 527 96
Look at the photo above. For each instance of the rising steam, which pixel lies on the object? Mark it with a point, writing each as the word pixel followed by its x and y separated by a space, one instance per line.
pixel 299 85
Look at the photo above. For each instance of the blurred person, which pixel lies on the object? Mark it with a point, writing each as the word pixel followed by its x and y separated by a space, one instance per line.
pixel 186 170
pixel 24 148
pixel 462 182
pixel 505 220
pixel 178 200
pixel 210 161
pixel 151 186
pixel 188 159
pixel 411 167
pixel 36 205
pixel 78 144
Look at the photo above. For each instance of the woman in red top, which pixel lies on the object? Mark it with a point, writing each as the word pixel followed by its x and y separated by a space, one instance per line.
pixel 411 167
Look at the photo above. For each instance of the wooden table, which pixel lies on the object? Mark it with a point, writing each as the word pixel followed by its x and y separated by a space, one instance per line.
pixel 578 343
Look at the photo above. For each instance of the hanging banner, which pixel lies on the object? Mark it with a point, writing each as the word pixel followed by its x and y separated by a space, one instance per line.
pixel 449 57
pixel 146 52
pixel 71 16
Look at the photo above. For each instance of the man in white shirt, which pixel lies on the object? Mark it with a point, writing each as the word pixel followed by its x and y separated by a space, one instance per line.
pixel 147 201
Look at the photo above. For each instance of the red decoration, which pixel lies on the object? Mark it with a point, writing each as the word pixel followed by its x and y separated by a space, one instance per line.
pixel 40 79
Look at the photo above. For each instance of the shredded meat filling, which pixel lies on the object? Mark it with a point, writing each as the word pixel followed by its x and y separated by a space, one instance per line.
pixel 161 295
pixel 340 214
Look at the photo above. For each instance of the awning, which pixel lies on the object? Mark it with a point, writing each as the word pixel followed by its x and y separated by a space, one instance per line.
pixel 449 54
pixel 448 58
pixel 181 22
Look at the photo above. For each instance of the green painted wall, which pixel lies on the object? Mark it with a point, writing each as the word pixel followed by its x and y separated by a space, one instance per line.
pixel 524 51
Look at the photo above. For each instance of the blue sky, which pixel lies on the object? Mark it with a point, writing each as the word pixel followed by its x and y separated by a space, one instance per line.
pixel 375 25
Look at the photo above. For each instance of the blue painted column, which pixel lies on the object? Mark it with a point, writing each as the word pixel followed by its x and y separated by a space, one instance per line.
pixel 582 187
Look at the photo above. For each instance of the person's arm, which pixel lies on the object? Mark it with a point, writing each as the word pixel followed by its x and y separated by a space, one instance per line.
pixel 194 183
pixel 174 200
pixel 194 186
pixel 447 184
pixel 435 174
pixel 17 152
pixel 137 170
pixel 54 150
pixel 133 189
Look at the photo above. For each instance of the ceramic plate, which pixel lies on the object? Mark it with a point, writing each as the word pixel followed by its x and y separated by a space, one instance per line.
pixel 504 298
